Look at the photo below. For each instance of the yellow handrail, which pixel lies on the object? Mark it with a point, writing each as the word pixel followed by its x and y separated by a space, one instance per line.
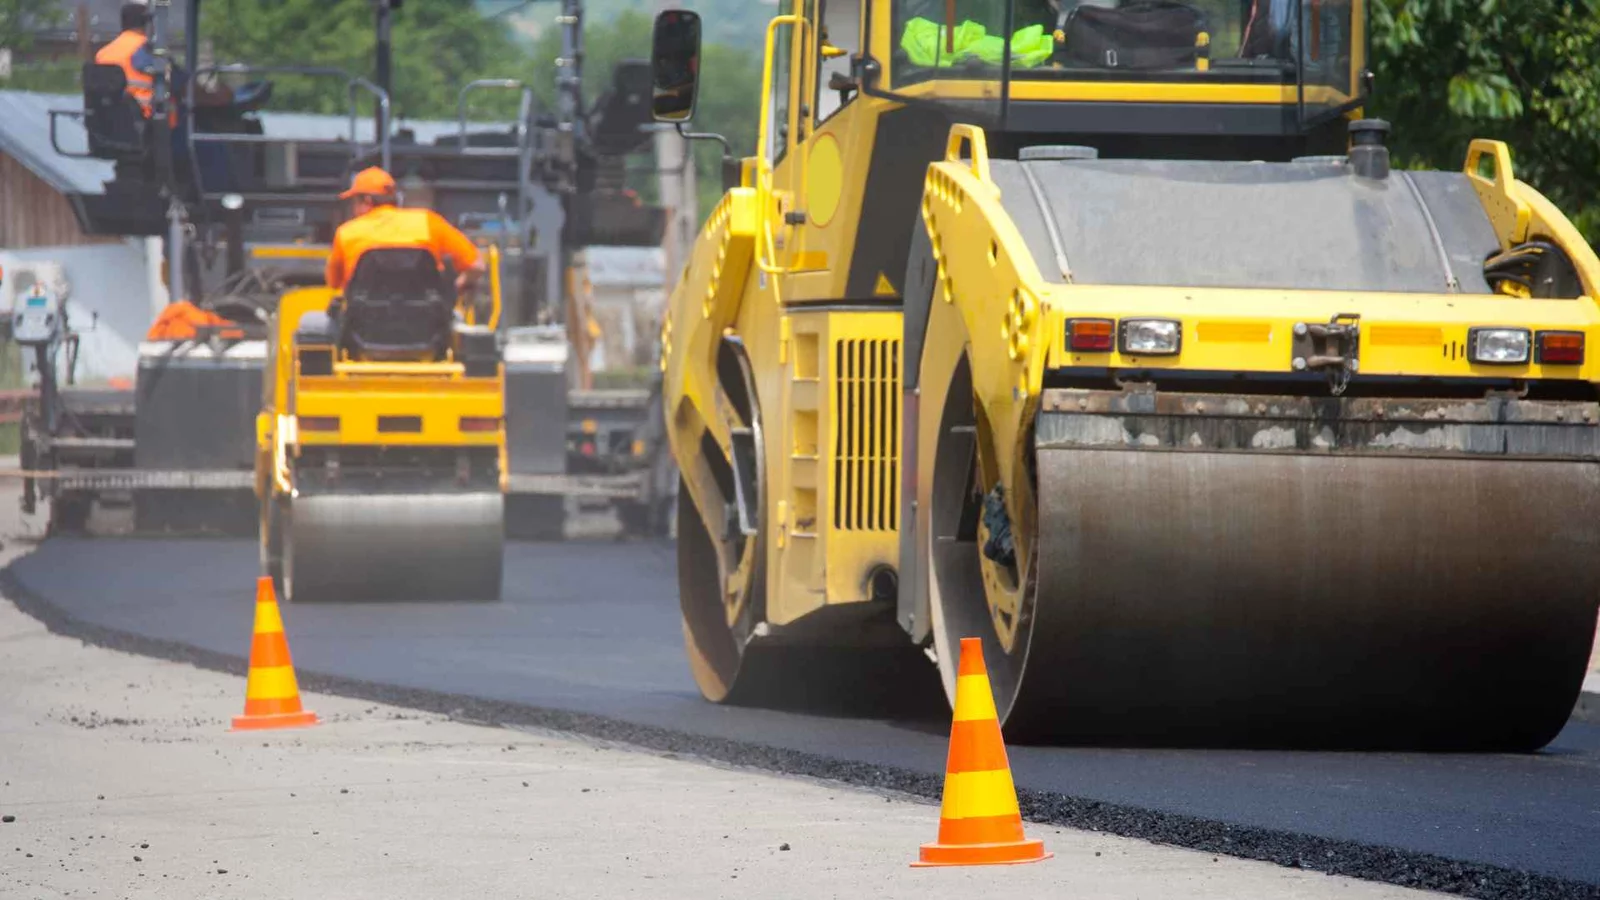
pixel 494 286
pixel 766 247
pixel 974 136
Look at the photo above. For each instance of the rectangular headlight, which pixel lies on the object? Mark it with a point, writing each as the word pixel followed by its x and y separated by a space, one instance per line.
pixel 1150 337
pixel 1498 346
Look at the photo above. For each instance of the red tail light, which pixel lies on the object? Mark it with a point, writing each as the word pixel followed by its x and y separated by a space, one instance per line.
pixel 318 423
pixel 1091 335
pixel 1560 348
pixel 480 423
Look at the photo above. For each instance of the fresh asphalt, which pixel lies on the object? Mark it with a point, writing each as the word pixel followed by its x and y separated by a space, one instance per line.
pixel 588 637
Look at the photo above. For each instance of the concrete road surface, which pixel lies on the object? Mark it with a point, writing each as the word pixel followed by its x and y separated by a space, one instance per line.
pixel 124 781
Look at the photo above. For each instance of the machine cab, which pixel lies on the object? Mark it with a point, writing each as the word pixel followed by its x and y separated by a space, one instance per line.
pixel 1251 70
pixel 859 95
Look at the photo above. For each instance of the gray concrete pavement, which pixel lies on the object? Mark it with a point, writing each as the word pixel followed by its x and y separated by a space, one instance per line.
pixel 125 782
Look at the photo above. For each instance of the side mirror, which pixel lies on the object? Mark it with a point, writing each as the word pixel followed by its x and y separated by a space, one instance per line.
pixel 675 65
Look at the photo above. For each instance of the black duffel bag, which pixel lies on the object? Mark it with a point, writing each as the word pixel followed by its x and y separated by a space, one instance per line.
pixel 1150 34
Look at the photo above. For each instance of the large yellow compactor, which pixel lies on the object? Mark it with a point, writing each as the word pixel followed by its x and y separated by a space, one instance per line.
pixel 381 451
pixel 1109 334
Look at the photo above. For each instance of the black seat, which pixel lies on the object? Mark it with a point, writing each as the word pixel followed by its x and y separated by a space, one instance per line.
pixel 114 121
pixel 396 306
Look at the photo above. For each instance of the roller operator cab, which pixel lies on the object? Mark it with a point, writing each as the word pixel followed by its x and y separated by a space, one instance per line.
pixel 1106 333
pixel 381 456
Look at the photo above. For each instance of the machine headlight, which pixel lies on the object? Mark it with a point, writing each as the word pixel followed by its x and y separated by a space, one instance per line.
pixel 1498 346
pixel 1150 337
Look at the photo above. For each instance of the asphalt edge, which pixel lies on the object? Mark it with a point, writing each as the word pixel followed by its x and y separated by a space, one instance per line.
pixel 1588 707
pixel 1298 851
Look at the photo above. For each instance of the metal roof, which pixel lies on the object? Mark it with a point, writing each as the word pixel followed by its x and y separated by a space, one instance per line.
pixel 25 136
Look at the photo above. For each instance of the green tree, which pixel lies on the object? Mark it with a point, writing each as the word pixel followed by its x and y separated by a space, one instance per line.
pixel 730 80
pixel 438 46
pixel 20 19
pixel 1526 73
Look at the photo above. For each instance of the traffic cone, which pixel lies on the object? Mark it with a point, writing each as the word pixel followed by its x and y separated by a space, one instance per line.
pixel 979 822
pixel 271 696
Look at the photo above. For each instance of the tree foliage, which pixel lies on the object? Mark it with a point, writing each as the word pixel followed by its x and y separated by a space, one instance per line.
pixel 1526 73
pixel 728 91
pixel 19 19
pixel 437 47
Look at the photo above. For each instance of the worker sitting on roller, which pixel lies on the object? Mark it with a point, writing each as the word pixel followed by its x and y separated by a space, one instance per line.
pixel 378 222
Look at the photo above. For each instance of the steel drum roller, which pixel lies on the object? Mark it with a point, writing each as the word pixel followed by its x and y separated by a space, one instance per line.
pixel 394 547
pixel 1282 598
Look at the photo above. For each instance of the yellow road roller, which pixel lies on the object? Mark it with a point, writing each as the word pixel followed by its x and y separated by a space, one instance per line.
pixel 1108 334
pixel 381 450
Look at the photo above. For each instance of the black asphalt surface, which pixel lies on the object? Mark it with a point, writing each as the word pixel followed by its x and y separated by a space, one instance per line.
pixel 591 628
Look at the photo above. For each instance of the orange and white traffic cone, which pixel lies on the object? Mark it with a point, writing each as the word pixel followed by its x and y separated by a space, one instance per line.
pixel 979 822
pixel 271 696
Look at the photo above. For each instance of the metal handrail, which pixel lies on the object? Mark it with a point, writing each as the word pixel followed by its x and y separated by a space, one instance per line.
pixel 55 142
pixel 481 84
pixel 352 83
pixel 524 148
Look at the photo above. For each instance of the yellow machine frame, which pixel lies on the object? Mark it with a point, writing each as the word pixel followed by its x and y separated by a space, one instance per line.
pixel 356 395
pixel 763 309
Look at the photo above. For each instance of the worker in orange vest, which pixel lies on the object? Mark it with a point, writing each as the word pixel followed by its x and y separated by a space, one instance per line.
pixel 378 222
pixel 130 50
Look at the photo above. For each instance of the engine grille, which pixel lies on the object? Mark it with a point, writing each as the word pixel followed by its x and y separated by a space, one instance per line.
pixel 866 418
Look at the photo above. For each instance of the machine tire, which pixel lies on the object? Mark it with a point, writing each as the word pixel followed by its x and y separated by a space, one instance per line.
pixel 271 544
pixel 957 600
pixel 880 681
pixel 716 653
pixel 69 513
pixel 636 518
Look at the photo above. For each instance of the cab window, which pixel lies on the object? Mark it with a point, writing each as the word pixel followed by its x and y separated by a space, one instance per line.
pixel 1112 40
pixel 839 27
pixel 778 101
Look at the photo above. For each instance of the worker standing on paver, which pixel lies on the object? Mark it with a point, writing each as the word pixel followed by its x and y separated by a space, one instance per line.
pixel 378 222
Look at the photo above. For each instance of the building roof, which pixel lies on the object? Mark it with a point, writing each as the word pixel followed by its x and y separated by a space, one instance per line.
pixel 626 266
pixel 25 136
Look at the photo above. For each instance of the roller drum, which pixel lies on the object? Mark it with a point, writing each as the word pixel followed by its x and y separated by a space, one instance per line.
pixel 394 547
pixel 1283 599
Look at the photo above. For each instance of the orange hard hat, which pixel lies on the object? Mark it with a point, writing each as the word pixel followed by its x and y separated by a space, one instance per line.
pixel 374 182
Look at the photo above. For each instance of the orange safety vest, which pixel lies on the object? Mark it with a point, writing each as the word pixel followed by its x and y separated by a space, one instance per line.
pixel 120 53
pixel 391 226
pixel 180 321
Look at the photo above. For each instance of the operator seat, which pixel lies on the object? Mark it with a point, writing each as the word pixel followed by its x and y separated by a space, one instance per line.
pixel 397 306
pixel 113 120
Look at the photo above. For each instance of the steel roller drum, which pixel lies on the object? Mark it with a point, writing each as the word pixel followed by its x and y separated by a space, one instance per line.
pixel 1360 601
pixel 394 547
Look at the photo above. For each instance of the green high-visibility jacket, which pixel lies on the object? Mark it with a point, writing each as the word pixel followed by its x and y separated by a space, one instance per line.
pixel 925 43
